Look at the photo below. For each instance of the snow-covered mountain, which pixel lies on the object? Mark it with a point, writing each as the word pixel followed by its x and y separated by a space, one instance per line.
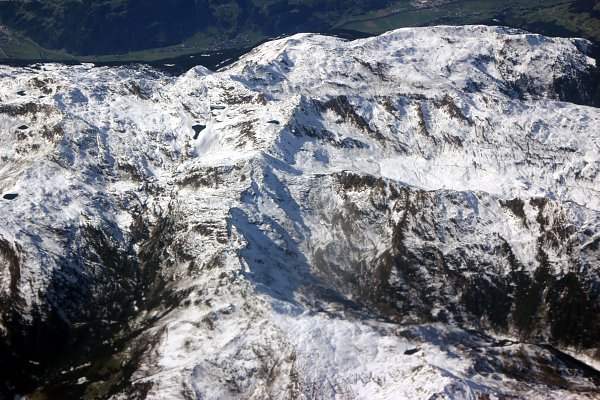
pixel 415 215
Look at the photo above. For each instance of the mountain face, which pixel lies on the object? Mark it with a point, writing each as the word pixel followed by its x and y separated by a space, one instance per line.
pixel 415 215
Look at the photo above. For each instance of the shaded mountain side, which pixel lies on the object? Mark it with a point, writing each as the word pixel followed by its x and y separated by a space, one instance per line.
pixel 109 27
pixel 131 30
pixel 415 280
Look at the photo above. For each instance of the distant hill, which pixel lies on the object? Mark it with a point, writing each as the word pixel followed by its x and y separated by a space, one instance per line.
pixel 86 27
pixel 136 30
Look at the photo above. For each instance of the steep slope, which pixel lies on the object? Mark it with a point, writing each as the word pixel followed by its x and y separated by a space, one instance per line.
pixel 409 216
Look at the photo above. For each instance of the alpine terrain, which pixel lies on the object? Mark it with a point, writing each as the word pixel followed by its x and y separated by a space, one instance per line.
pixel 409 216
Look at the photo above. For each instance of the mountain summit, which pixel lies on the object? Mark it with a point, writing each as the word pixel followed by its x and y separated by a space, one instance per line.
pixel 414 215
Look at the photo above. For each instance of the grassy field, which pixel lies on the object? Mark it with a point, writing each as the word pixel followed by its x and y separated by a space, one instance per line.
pixel 20 48
pixel 16 47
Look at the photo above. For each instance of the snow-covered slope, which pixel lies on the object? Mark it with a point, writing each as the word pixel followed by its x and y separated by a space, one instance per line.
pixel 415 215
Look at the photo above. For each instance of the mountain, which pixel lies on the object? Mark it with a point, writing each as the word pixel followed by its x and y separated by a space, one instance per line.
pixel 413 215
pixel 144 31
pixel 85 27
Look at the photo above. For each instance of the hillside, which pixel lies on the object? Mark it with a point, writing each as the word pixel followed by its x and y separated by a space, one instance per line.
pixel 142 31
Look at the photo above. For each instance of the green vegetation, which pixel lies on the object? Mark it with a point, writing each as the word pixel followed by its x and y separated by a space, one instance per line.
pixel 130 30
pixel 550 17
pixel 580 18
pixel 14 46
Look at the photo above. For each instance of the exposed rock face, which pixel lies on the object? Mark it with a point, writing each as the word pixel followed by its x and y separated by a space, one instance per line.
pixel 415 215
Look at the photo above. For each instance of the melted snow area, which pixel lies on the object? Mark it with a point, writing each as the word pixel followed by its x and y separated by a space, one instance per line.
pixel 259 245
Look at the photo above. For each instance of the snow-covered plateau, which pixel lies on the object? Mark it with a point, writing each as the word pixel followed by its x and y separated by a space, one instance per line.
pixel 409 216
